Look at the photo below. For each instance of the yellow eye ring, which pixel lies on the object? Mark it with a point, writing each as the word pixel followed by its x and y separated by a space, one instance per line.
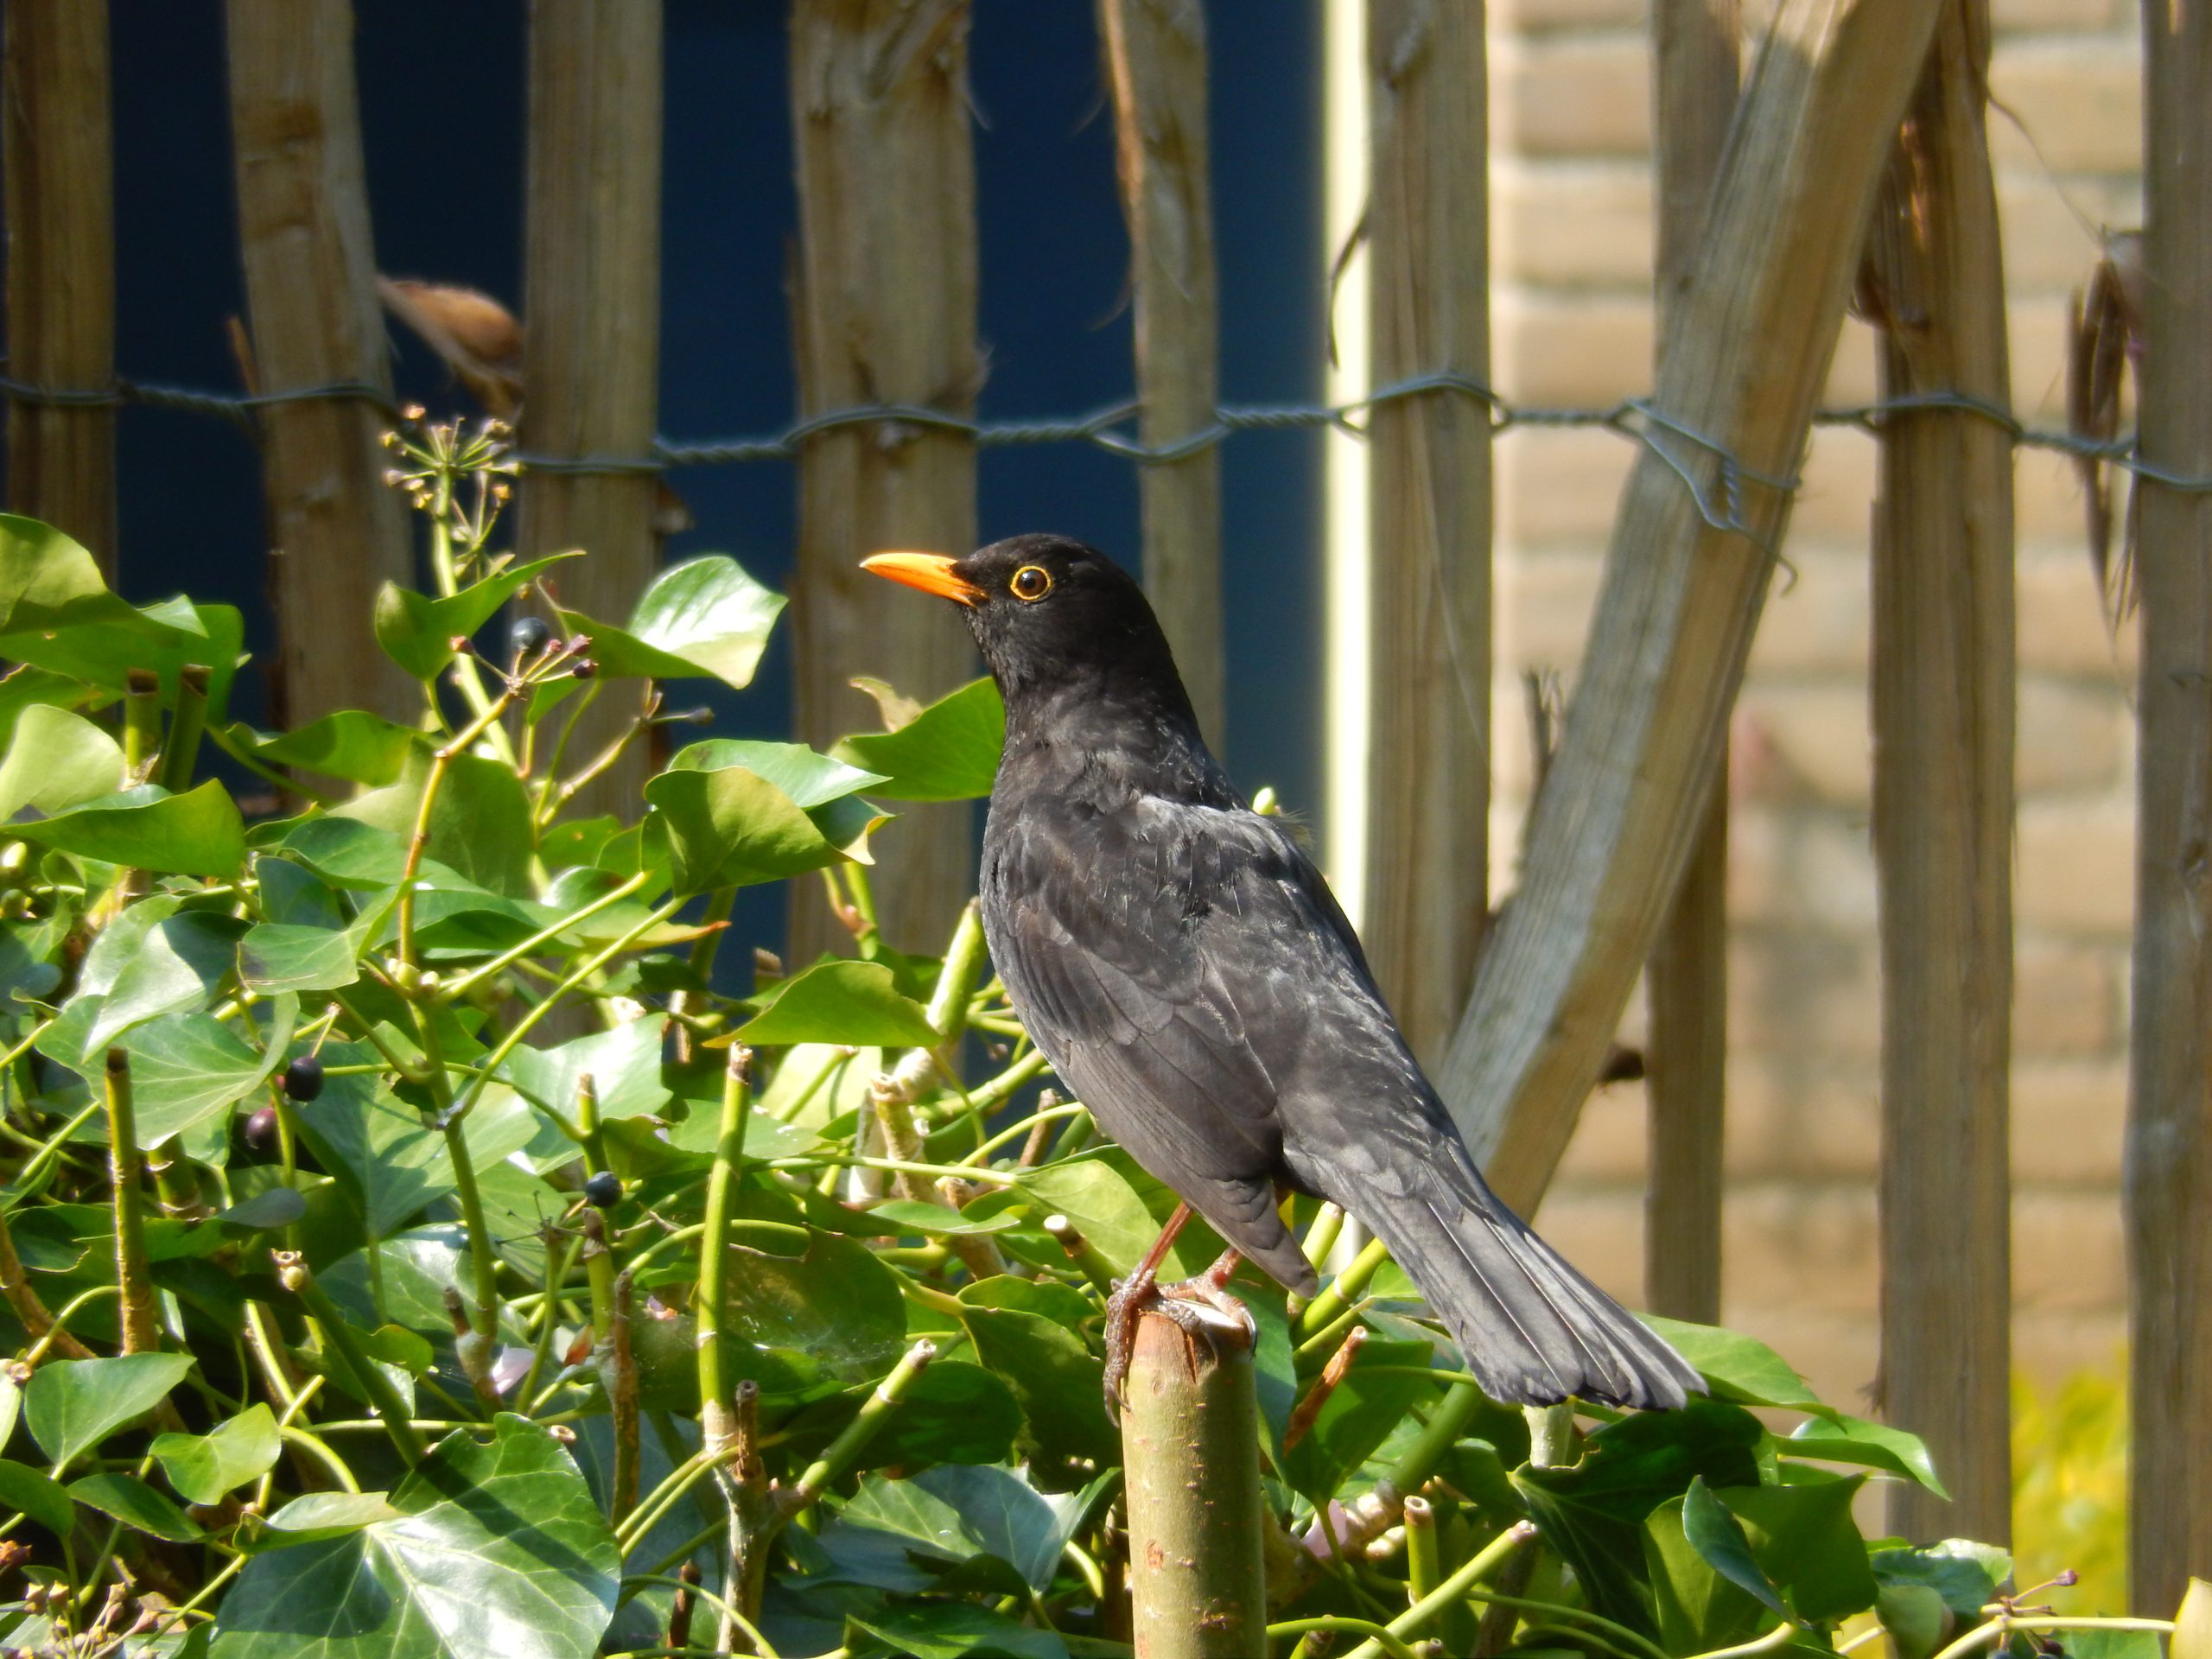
pixel 1031 584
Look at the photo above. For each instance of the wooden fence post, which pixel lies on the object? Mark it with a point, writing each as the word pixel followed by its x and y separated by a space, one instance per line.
pixel 1943 707
pixel 591 339
pixel 1695 73
pixel 1626 796
pixel 883 300
pixel 337 532
pixel 1156 59
pixel 58 143
pixel 1428 874
pixel 2169 1173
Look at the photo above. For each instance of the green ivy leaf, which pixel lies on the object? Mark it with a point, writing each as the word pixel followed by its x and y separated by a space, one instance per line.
pixel 623 1064
pixel 73 1405
pixel 353 744
pixel 134 1503
pixel 1024 1331
pixel 1966 1574
pixel 186 1067
pixel 498 1551
pixel 57 760
pixel 414 629
pixel 1844 1439
pixel 958 1511
pixel 47 580
pixel 38 1494
pixel 209 1465
pixel 1738 1368
pixel 950 751
pixel 1357 1417
pixel 957 1630
pixel 705 617
pixel 288 957
pixel 178 965
pixel 392 1164
pixel 852 1002
pixel 198 833
pixel 480 823
pixel 1719 1539
pixel 1805 1539
pixel 1119 1209
pixel 733 827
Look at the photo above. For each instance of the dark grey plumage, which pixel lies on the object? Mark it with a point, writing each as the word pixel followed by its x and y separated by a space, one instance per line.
pixel 1184 966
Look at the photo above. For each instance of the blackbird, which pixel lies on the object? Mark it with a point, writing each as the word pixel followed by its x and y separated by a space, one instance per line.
pixel 1182 963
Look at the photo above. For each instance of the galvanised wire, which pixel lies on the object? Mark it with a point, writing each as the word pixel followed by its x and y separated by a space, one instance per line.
pixel 1689 453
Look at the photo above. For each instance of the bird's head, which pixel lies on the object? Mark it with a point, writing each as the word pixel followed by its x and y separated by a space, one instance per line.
pixel 1049 613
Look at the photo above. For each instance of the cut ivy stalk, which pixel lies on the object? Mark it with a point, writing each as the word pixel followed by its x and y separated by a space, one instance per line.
pixel 142 723
pixel 1420 1549
pixel 1448 1594
pixel 1345 1289
pixel 398 1422
pixel 142 1328
pixel 1190 1451
pixel 182 752
pixel 838 1456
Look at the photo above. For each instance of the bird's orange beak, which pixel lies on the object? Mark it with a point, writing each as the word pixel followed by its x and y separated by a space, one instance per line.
pixel 931 572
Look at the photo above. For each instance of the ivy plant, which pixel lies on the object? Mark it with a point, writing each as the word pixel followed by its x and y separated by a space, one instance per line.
pixel 423 1235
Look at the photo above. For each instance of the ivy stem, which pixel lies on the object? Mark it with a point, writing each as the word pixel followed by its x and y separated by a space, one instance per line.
pixel 141 1314
pixel 556 1274
pixel 30 1312
pixel 440 763
pixel 1421 1561
pixel 1452 1591
pixel 398 1421
pixel 710 1304
pixel 460 985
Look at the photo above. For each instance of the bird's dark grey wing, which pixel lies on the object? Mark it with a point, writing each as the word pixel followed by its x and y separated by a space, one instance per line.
pixel 1156 993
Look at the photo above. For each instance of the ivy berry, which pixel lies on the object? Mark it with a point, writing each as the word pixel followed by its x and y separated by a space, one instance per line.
pixel 526 636
pixel 261 1130
pixel 604 1190
pixel 303 1077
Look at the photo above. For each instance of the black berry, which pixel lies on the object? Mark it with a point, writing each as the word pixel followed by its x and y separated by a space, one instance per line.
pixel 585 668
pixel 527 635
pixel 261 1130
pixel 303 1077
pixel 604 1190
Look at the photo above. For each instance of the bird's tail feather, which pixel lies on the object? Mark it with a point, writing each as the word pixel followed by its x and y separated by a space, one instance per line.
pixel 1535 1330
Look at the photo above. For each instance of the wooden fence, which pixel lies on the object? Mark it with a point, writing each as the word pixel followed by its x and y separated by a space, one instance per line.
pixel 1860 124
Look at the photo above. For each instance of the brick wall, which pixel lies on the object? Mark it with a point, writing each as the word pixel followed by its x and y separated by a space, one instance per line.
pixel 1573 238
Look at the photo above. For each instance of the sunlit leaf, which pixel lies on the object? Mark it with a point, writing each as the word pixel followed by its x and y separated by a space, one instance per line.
pixel 496 1552
pixel 704 617
pixel 950 751
pixel 73 1405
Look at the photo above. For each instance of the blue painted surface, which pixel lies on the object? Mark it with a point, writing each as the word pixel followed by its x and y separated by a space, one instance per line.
pixel 441 98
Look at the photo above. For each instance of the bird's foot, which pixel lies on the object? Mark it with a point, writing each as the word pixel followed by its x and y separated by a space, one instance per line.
pixel 1197 1307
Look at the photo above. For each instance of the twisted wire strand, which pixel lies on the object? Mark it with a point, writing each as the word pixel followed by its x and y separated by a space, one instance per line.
pixel 1714 475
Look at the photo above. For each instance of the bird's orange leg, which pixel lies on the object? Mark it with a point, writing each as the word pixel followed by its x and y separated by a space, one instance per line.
pixel 1128 1300
pixel 1141 1290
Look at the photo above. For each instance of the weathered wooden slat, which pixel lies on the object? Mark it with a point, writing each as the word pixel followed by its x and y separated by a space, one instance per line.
pixel 1627 795
pixel 337 532
pixel 591 341
pixel 1156 60
pixel 2169 1175
pixel 59 150
pixel 1695 73
pixel 1427 896
pixel 1944 734
pixel 884 309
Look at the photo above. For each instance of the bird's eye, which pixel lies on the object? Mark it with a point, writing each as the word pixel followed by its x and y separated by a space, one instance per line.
pixel 1032 583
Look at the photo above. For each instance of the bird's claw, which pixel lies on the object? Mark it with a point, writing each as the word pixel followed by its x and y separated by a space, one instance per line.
pixel 1197 1306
